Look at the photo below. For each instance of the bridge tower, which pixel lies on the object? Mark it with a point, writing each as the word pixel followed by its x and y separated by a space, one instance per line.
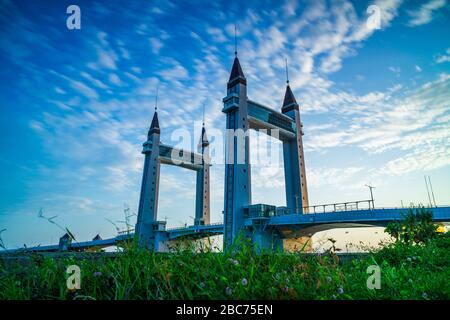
pixel 237 160
pixel 294 159
pixel 147 222
pixel 242 115
pixel 202 203
pixel 152 233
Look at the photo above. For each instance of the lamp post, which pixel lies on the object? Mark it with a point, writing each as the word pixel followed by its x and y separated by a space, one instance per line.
pixel 371 194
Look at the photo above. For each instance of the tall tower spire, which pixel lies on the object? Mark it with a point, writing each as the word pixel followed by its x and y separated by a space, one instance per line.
pixel 296 187
pixel 154 127
pixel 235 41
pixel 203 138
pixel 202 207
pixel 289 102
pixel 236 75
pixel 156 98
pixel 287 74
pixel 203 118
pixel 148 201
pixel 237 164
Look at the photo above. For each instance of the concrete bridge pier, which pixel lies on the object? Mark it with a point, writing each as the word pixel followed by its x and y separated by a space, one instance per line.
pixel 267 241
pixel 266 238
pixel 155 236
pixel 300 244
pixel 161 241
pixel 64 242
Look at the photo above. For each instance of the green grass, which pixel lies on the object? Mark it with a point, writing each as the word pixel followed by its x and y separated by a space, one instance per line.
pixel 407 272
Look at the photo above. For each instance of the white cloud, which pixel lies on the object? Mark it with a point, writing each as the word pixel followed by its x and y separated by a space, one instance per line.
pixel 177 72
pixel 328 176
pixel 156 45
pixel 59 90
pixel 107 59
pixel 389 10
pixel 443 57
pixel 136 69
pixel 424 14
pixel 93 80
pixel 424 159
pixel 290 7
pixel 216 34
pixel 106 56
pixel 113 78
pixel 36 125
pixel 395 70
pixel 84 89
pixel 157 10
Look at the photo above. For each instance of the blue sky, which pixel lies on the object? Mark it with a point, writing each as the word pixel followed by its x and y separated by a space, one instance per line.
pixel 76 104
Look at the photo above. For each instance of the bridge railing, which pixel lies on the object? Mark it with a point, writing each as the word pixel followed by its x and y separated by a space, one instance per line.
pixel 192 226
pixel 340 206
pixel 354 205
pixel 122 232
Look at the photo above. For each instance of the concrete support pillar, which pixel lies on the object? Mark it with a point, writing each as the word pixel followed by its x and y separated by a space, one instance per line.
pixel 64 243
pixel 294 170
pixel 301 244
pixel 265 238
pixel 267 241
pixel 148 201
pixel 202 203
pixel 237 155
pixel 292 177
pixel 294 159
pixel 161 242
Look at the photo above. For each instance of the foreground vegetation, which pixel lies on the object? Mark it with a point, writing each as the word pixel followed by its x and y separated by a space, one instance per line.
pixel 409 270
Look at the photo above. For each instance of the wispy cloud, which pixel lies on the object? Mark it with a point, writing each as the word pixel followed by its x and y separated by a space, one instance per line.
pixel 425 13
pixel 216 34
pixel 89 124
pixel 156 45
pixel 443 57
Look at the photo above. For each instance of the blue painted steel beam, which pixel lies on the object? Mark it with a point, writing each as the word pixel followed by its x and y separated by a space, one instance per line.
pixel 376 217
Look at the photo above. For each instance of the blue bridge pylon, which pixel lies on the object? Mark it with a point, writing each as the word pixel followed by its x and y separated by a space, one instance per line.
pixel 267 226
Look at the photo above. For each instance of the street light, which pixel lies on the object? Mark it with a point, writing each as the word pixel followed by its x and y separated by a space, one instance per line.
pixel 371 194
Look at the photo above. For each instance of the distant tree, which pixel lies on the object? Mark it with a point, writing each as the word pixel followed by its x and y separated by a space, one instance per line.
pixel 415 227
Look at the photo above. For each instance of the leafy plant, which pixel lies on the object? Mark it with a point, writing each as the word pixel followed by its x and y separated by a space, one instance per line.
pixel 416 227
pixel 407 272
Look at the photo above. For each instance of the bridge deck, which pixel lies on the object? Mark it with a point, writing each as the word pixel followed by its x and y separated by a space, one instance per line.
pixel 291 222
